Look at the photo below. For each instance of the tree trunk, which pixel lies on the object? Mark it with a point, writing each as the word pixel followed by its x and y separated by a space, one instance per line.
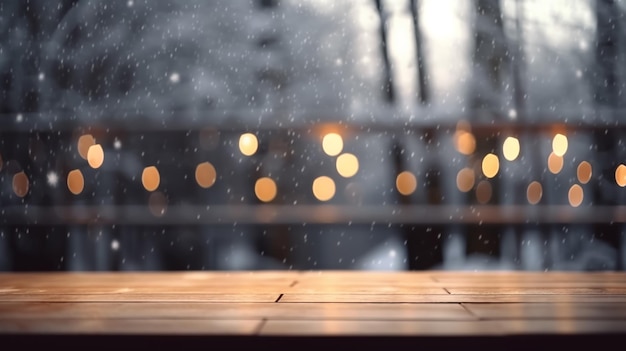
pixel 489 59
pixel 388 91
pixel 423 95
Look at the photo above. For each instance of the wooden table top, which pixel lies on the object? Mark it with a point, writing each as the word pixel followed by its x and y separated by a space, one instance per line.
pixel 316 308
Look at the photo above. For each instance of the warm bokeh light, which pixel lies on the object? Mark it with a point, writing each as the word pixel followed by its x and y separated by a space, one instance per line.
pixel 620 175
pixel 575 195
pixel 95 156
pixel 510 148
pixel 465 179
pixel 464 142
pixel 406 183
pixel 75 182
pixel 150 178
pixel 205 174
pixel 584 172
pixel 157 203
pixel 248 144
pixel 534 192
pixel 347 165
pixel 332 144
pixel 21 184
pixel 85 141
pixel 483 192
pixel 265 189
pixel 323 188
pixel 555 163
pixel 491 165
pixel 559 145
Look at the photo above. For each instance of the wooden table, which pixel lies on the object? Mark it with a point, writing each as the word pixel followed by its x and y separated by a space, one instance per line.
pixel 290 310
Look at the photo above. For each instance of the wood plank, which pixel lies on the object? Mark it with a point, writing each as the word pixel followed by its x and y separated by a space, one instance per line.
pixel 130 326
pixel 145 284
pixel 364 289
pixel 376 328
pixel 130 289
pixel 314 303
pixel 595 310
pixel 148 279
pixel 438 298
pixel 527 276
pixel 442 328
pixel 537 291
pixel 529 284
pixel 562 326
pixel 140 298
pixel 348 283
pixel 152 275
pixel 364 276
pixel 231 311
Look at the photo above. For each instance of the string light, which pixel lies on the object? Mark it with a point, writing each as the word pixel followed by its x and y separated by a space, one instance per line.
pixel 205 175
pixel 555 163
pixel 534 192
pixel 150 178
pixel 248 144
pixel 323 188
pixel 85 141
pixel 559 144
pixel 332 144
pixel 265 189
pixel 584 172
pixel 406 183
pixel 490 165
pixel 75 181
pixel 95 156
pixel 465 179
pixel 21 184
pixel 347 165
pixel 511 148
pixel 575 195
pixel 464 142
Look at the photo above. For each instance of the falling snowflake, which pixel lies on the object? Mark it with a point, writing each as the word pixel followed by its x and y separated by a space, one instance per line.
pixel 41 76
pixel 19 118
pixel 117 144
pixel 175 78
pixel 53 178
pixel 512 114
pixel 115 245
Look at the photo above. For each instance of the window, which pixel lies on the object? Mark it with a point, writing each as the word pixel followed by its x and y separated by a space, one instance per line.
pixel 372 134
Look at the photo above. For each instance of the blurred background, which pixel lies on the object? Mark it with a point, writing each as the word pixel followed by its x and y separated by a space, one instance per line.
pixel 314 134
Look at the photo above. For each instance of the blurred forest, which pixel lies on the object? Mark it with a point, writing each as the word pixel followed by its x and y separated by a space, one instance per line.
pixel 315 134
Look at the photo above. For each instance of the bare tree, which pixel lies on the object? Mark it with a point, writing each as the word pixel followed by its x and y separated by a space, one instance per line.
pixel 388 91
pixel 488 58
pixel 518 61
pixel 423 94
pixel 486 102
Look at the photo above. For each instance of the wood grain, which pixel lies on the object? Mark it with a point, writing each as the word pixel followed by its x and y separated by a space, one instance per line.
pixel 313 303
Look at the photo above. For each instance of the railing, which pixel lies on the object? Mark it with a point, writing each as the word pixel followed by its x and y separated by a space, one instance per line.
pixel 114 193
